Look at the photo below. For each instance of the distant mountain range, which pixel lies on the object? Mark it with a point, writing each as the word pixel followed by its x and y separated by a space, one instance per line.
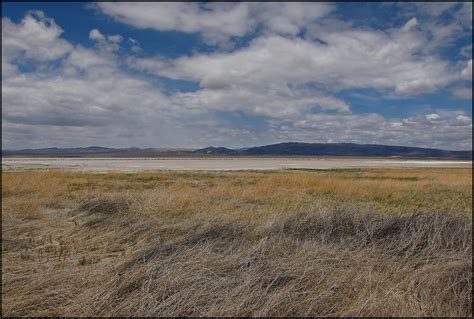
pixel 282 149
pixel 97 151
pixel 338 149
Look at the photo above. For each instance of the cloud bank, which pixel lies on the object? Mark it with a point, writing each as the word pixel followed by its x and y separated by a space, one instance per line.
pixel 286 84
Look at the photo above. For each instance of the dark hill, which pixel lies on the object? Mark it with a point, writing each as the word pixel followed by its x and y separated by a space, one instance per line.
pixel 349 149
pixel 282 149
pixel 216 151
pixel 338 149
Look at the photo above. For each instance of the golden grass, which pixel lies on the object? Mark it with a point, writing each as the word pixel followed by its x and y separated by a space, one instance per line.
pixel 378 242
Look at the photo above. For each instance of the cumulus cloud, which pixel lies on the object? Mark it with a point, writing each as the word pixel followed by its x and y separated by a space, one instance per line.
pixel 443 22
pixel 36 37
pixel 87 59
pixel 107 43
pixel 373 128
pixel 347 59
pixel 110 108
pixel 84 100
pixel 432 117
pixel 217 22
pixel 96 35
pixel 463 120
pixel 288 84
pixel 275 101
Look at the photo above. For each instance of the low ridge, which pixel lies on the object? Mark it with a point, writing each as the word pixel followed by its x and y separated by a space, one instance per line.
pixel 281 149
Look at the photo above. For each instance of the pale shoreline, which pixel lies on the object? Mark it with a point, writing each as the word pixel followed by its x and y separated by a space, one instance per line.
pixel 94 164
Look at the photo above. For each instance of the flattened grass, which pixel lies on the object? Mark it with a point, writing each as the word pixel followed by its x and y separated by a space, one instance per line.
pixel 378 242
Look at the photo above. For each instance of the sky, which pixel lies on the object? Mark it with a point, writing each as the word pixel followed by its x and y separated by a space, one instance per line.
pixel 236 74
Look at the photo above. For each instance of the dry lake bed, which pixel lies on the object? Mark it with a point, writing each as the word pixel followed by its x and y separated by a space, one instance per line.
pixel 141 164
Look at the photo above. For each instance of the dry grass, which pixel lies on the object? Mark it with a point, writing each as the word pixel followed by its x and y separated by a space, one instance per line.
pixel 303 243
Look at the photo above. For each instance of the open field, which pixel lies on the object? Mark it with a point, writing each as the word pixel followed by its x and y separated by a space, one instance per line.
pixel 344 242
pixel 216 163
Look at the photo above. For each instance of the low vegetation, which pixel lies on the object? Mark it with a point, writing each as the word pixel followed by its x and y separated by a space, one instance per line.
pixel 372 242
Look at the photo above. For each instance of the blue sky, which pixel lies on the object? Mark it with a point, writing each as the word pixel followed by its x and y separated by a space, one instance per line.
pixel 236 74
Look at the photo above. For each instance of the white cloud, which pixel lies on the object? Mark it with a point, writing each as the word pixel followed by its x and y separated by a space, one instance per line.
pixel 410 24
pixel 464 15
pixel 460 12
pixel 467 71
pixel 462 93
pixel 88 108
pixel 115 38
pixel 106 43
pixel 35 37
pixel 466 51
pixel 434 9
pixel 463 120
pixel 442 22
pixel 86 99
pixel 273 101
pixel 88 60
pixel 287 83
pixel 218 22
pixel 135 45
pixel 347 59
pixel 432 117
pixel 96 35
pixel 290 18
pixel 452 131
